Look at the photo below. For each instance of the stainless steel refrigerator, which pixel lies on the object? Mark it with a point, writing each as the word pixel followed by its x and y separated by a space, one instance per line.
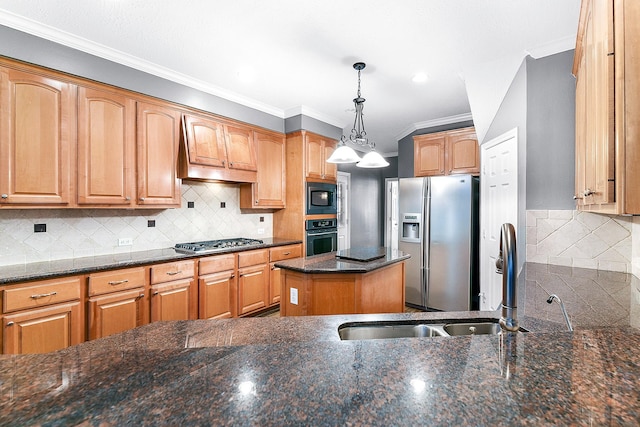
pixel 439 223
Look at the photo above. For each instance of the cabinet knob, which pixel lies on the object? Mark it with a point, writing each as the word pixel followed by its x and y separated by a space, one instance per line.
pixel 576 197
pixel 127 198
pixel 140 296
pixel 5 196
pixel 230 163
pixel 142 199
pixel 588 192
pixel 10 323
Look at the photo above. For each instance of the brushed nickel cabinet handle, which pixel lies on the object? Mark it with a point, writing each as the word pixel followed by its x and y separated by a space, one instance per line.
pixel 11 323
pixel 5 196
pixel 588 192
pixel 287 253
pixel 127 198
pixel 155 293
pixel 173 273
pixel 118 282
pixel 140 296
pixel 142 199
pixel 38 296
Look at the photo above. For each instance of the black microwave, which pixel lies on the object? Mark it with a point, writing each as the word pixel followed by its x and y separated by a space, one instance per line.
pixel 321 198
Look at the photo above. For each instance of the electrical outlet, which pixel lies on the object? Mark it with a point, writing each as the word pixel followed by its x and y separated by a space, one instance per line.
pixel 260 230
pixel 293 296
pixel 125 241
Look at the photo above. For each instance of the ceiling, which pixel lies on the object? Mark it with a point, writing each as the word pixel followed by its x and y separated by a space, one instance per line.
pixel 288 57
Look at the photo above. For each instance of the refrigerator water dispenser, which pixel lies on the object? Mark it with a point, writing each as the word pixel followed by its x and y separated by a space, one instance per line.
pixel 411 227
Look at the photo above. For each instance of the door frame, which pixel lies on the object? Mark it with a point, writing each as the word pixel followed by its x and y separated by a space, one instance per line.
pixel 490 281
pixel 344 215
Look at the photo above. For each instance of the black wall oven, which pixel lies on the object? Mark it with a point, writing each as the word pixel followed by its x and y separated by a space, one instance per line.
pixel 321 198
pixel 322 236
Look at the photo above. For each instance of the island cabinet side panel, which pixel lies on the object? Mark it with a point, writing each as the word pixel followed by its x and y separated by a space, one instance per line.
pixel 332 294
pixel 381 291
pixel 293 294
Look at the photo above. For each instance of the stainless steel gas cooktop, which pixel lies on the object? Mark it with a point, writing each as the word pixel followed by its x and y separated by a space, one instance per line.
pixel 214 245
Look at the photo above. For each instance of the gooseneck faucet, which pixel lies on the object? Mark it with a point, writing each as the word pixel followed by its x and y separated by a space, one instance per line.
pixel 564 310
pixel 507 265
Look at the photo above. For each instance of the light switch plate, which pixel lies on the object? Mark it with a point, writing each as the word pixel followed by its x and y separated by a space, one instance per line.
pixel 293 296
pixel 125 241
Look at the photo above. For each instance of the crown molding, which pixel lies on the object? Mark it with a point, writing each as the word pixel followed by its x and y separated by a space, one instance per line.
pixel 553 47
pixel 432 123
pixel 64 38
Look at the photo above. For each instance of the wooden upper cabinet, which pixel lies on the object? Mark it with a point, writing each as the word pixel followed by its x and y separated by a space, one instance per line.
pixel 318 150
pixel 463 152
pixel 106 148
pixel 269 191
pixel 158 135
pixel 428 155
pixel 241 149
pixel 216 149
pixel 37 138
pixel 445 153
pixel 607 66
pixel 205 138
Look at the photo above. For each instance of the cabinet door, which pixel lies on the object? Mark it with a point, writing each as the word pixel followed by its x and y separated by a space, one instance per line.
pixel 171 301
pixel 241 149
pixel 218 295
pixel 205 141
pixel 274 284
pixel 463 153
pixel 43 330
pixel 37 136
pixel 581 115
pixel 269 190
pixel 428 155
pixel 113 313
pixel 252 288
pixel 315 156
pixel 158 134
pixel 330 169
pixel 106 148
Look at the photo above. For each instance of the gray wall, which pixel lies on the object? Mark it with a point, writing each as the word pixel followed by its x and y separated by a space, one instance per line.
pixel 513 114
pixel 551 132
pixel 300 121
pixel 405 146
pixel 25 47
pixel 367 202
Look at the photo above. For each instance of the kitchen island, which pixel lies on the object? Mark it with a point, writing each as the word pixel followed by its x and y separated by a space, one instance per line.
pixel 353 281
pixel 296 371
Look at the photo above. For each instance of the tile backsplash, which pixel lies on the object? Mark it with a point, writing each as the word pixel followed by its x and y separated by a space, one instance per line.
pixel 582 239
pixel 72 233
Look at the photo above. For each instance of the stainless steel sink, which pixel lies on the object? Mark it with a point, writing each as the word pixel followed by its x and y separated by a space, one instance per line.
pixel 418 328
pixel 472 328
pixel 377 330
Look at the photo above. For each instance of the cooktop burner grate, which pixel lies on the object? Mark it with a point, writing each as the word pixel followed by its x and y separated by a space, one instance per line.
pixel 214 245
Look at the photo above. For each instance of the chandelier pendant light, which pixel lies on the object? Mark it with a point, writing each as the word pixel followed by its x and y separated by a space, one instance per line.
pixel 358 136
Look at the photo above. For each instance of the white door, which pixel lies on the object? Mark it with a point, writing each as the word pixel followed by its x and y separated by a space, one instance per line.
pixel 498 204
pixel 391 214
pixel 344 226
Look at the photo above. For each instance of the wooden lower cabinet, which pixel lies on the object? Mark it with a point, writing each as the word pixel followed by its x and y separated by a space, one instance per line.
pixel 217 285
pixel 43 330
pixel 171 301
pixel 114 313
pixel 42 316
pixel 253 281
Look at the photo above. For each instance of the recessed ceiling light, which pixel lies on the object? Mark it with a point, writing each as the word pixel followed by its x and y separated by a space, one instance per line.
pixel 420 77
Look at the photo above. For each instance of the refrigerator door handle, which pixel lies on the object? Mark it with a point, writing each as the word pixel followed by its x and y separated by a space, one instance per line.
pixel 426 240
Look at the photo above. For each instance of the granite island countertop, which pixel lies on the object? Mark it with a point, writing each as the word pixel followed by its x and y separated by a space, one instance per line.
pixel 331 262
pixel 296 371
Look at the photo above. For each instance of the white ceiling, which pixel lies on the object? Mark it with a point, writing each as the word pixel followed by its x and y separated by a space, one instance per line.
pixel 290 56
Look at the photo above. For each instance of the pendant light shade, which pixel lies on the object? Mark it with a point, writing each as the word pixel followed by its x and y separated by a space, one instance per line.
pixel 344 154
pixel 358 136
pixel 372 159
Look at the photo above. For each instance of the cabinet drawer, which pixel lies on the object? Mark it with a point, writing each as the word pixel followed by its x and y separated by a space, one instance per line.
pixel 40 294
pixel 260 256
pixel 216 264
pixel 172 271
pixel 119 280
pixel 285 252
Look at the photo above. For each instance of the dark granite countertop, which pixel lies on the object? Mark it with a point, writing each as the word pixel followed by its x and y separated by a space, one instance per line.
pixel 296 371
pixel 64 267
pixel 330 263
